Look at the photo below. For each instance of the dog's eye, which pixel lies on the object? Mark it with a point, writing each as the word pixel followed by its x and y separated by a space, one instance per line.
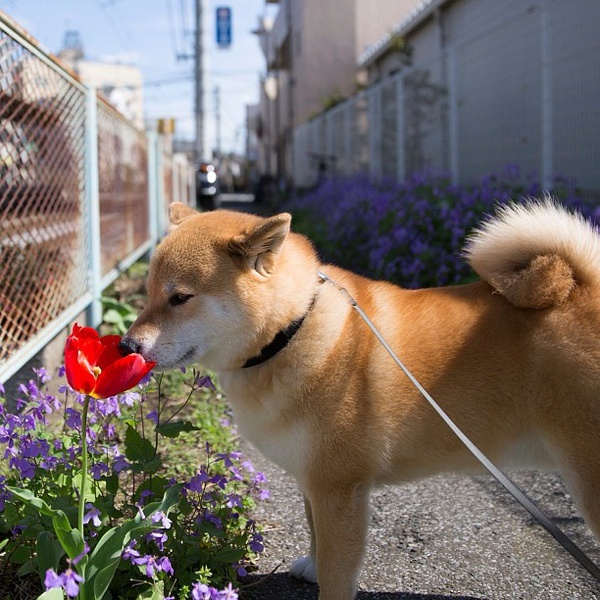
pixel 179 299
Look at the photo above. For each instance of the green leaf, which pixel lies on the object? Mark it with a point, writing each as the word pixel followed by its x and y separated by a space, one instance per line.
pixel 26 569
pixel 230 555
pixel 104 560
pixel 49 552
pixel 21 555
pixel 173 428
pixel 69 537
pixel 112 316
pixel 52 594
pixel 30 499
pixel 112 483
pixel 155 592
pixel 137 448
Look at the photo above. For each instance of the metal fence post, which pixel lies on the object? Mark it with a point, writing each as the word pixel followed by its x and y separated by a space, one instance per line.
pixel 547 133
pixel 159 183
pixel 92 200
pixel 400 129
pixel 153 188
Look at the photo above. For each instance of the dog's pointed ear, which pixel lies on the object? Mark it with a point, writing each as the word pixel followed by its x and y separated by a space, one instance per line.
pixel 179 212
pixel 260 247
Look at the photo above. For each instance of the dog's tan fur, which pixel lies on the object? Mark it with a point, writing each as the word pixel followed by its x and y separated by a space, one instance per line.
pixel 514 359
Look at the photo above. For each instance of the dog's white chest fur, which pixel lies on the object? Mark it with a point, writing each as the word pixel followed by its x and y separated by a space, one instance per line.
pixel 285 442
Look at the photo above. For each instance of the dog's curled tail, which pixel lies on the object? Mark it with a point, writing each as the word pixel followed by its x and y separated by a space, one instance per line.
pixel 535 253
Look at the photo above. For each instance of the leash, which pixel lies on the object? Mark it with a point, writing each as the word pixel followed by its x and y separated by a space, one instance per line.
pixel 508 484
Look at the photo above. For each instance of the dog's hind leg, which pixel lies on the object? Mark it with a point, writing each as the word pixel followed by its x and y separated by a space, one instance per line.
pixel 580 459
pixel 582 475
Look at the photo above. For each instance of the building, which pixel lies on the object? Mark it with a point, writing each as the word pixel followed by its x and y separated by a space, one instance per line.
pixel 470 88
pixel 120 84
pixel 312 49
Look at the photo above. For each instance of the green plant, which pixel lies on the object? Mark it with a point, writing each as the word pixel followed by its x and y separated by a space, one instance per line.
pixel 167 531
pixel 118 313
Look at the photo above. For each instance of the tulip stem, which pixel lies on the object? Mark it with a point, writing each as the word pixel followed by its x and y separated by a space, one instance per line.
pixel 84 463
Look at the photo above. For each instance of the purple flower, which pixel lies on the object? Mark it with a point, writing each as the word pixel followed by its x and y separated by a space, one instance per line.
pixel 160 517
pixel 92 515
pixel 229 458
pixel 120 463
pixel 26 469
pixel 69 581
pixel 197 482
pixel 73 418
pixel 52 579
pixel 164 565
pixel 213 519
pixel 154 565
pixel 200 591
pixel 234 501
pixel 99 469
pixel 129 552
pixel 159 538
pixel 228 593
pixel 204 381
pixel 256 544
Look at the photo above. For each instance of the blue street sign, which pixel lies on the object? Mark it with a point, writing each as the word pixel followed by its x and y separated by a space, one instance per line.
pixel 223 22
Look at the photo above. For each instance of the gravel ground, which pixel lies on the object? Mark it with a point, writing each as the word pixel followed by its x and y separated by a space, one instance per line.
pixel 445 537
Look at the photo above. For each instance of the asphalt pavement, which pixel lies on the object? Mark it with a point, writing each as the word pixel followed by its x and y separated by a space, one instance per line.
pixel 447 537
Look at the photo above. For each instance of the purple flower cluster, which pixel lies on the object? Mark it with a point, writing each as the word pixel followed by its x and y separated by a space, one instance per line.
pixel 201 591
pixel 43 456
pixel 411 233
pixel 69 581
pixel 30 448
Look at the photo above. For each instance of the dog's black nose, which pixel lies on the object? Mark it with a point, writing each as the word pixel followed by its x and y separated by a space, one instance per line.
pixel 128 346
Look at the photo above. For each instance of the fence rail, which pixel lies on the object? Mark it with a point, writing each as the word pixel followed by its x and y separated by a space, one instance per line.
pixel 82 196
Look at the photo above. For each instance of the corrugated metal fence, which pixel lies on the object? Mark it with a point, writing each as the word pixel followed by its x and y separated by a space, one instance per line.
pixel 83 194
pixel 488 85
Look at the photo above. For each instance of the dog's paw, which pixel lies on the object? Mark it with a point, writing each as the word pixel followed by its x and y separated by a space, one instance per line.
pixel 304 568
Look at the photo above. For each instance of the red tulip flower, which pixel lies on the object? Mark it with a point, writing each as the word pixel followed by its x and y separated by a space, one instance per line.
pixel 94 365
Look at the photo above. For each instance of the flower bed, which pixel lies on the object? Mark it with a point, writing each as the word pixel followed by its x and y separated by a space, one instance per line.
pixel 165 506
pixel 410 233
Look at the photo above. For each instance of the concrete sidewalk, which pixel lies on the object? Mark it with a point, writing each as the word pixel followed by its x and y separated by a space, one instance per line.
pixel 445 537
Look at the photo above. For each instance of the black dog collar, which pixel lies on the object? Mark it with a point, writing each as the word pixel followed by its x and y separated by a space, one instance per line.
pixel 279 342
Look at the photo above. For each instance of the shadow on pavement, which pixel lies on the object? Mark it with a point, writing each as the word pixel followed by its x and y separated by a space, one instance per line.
pixel 280 586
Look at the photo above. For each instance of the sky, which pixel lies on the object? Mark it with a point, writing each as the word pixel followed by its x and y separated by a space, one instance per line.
pixel 150 34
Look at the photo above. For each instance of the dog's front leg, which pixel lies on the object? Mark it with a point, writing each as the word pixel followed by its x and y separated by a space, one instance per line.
pixel 340 526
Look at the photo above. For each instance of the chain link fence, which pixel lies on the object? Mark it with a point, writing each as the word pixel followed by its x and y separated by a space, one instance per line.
pixel 80 197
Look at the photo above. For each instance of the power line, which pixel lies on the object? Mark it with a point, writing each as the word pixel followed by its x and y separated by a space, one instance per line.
pixel 172 28
pixel 169 79
pixel 186 30
pixel 118 26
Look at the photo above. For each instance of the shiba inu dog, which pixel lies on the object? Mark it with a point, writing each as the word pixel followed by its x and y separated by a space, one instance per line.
pixel 514 359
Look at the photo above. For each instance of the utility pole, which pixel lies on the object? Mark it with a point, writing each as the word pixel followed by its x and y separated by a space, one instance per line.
pixel 217 93
pixel 199 75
